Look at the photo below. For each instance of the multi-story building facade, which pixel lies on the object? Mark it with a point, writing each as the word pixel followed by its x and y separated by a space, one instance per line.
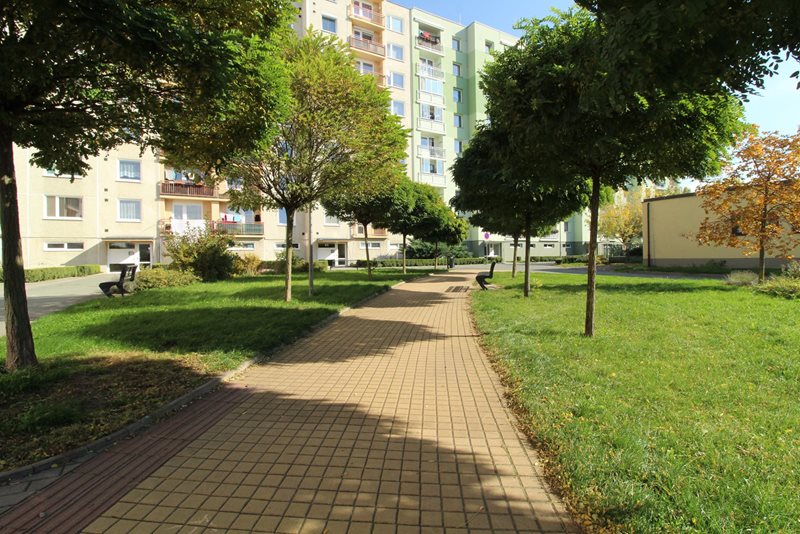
pixel 120 211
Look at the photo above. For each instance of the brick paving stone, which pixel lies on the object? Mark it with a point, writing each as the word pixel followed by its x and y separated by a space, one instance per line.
pixel 389 419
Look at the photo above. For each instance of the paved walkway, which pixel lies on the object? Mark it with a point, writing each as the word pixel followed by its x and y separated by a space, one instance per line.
pixel 55 295
pixel 389 419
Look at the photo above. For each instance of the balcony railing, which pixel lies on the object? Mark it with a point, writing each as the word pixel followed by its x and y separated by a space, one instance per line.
pixel 188 189
pixel 430 98
pixel 431 152
pixel 436 180
pixel 380 78
pixel 430 72
pixel 431 125
pixel 373 15
pixel 432 44
pixel 238 228
pixel 184 226
pixel 357 231
pixel 372 47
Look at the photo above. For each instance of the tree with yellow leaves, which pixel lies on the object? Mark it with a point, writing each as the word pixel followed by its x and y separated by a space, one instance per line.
pixel 622 218
pixel 756 207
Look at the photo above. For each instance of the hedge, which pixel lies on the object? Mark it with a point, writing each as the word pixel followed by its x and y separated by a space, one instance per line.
pixel 54 273
pixel 419 262
pixel 279 267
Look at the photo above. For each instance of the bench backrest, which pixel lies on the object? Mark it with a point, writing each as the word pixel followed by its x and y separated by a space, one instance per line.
pixel 123 273
pixel 491 269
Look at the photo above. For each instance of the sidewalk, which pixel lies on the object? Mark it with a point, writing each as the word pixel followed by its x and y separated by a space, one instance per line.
pixel 389 419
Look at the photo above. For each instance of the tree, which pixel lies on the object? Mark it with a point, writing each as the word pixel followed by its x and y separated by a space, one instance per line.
pixel 689 46
pixel 442 226
pixel 547 94
pixel 504 196
pixel 756 207
pixel 81 77
pixel 622 219
pixel 413 205
pixel 339 126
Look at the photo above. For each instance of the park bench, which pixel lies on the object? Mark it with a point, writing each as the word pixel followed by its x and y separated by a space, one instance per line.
pixel 481 278
pixel 126 275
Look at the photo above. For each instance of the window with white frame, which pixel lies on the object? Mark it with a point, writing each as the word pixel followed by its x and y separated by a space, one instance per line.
pixel 566 226
pixel 63 207
pixel 245 245
pixel 372 245
pixel 331 220
pixel 429 85
pixel 129 210
pixel 397 80
pixel 458 121
pixel 549 245
pixel 365 67
pixel 456 69
pixel 433 166
pixel 282 246
pixel 431 113
pixel 282 219
pixel 63 246
pixel 456 45
pixel 395 51
pixel 458 95
pixel 394 23
pixel 458 146
pixel 55 173
pixel 130 170
pixel 488 47
pixel 399 108
pixel 328 24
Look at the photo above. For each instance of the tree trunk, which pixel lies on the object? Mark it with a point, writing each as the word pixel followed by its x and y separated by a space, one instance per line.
pixel 287 291
pixel 436 257
pixel 19 338
pixel 762 263
pixel 366 246
pixel 527 286
pixel 514 260
pixel 591 286
pixel 404 253
pixel 310 254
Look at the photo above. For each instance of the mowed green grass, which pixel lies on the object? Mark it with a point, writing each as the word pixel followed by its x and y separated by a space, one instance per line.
pixel 108 362
pixel 682 414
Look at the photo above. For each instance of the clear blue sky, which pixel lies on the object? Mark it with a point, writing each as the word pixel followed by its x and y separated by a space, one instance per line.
pixel 776 108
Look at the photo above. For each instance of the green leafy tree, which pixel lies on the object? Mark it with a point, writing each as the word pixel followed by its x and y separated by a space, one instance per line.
pixel 442 226
pixel 339 125
pixel 80 77
pixel 546 93
pixel 413 206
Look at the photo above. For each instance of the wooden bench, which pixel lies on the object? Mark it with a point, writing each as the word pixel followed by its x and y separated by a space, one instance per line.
pixel 126 275
pixel 481 278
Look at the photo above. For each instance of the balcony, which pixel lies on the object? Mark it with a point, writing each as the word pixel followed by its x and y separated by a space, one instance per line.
pixel 430 43
pixel 188 189
pixel 430 72
pixel 436 180
pixel 431 152
pixel 356 231
pixel 370 47
pixel 370 17
pixel 430 98
pixel 380 78
pixel 432 126
pixel 182 227
pixel 232 228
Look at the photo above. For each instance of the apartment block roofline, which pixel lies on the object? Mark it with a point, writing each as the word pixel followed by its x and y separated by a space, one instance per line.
pixel 473 23
pixel 670 197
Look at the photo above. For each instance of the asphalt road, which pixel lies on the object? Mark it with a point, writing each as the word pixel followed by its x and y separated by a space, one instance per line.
pixel 54 295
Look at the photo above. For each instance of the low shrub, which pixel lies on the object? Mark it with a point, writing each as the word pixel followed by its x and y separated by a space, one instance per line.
pixel 791 270
pixel 781 286
pixel 247 265
pixel 204 252
pixel 362 264
pixel 160 278
pixel 54 273
pixel 741 278
pixel 279 266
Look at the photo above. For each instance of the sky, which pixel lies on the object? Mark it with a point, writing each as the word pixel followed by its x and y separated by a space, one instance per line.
pixel 776 108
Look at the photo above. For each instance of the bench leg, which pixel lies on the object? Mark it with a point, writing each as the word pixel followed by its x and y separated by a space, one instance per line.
pixel 105 287
pixel 481 282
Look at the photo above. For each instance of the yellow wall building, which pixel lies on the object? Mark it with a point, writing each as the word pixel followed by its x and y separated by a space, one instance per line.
pixel 669 227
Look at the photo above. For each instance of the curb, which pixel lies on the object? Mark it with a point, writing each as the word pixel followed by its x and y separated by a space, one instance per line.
pixel 7 477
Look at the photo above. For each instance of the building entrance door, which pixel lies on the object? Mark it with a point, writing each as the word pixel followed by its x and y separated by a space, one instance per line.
pixel 341 255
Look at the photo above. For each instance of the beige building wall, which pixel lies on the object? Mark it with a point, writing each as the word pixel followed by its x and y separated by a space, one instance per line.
pixel 670 225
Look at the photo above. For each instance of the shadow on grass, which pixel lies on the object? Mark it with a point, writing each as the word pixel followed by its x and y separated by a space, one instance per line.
pixel 639 287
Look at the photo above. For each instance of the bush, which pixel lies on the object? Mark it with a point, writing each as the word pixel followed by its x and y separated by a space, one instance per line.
pixel 781 286
pixel 362 264
pixel 791 270
pixel 741 278
pixel 419 249
pixel 249 265
pixel 159 278
pixel 54 273
pixel 202 252
pixel 299 265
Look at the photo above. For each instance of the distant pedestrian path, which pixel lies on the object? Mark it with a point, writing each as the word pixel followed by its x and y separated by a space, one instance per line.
pixel 389 419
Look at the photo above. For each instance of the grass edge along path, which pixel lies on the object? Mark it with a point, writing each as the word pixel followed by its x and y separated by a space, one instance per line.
pixel 680 415
pixel 108 363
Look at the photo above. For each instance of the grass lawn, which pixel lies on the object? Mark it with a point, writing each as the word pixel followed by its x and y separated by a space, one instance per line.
pixel 683 413
pixel 106 363
pixel 709 268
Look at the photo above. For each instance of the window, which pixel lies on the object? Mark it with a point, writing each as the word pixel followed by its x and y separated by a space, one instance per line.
pixel 457 94
pixel 372 244
pixel 432 166
pixel 130 210
pixel 63 246
pixel 458 121
pixel 64 207
pixel 456 45
pixel 328 24
pixel 429 85
pixel 244 245
pixel 397 80
pixel 282 216
pixel 282 246
pixel 130 170
pixel 365 67
pixel 399 108
pixel 394 23
pixel 566 226
pixel 456 69
pixel 549 245
pixel 331 220
pixel 121 245
pixel 459 146
pixel 188 212
pixel 431 113
pixel 395 51
pixel 488 47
